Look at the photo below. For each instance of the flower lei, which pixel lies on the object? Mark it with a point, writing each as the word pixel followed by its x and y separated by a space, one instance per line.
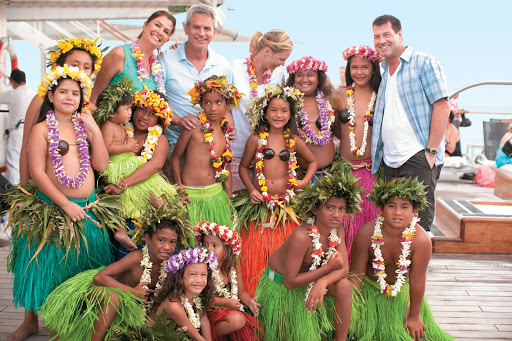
pixel 215 84
pixel 51 78
pixel 229 237
pixel 361 52
pixel 67 44
pixel 220 164
pixel 221 289
pixel 318 253
pixel 306 64
pixel 379 265
pixel 149 99
pixel 326 115
pixel 252 76
pixel 146 274
pixel 54 152
pixel 352 122
pixel 142 73
pixel 284 199
pixel 191 256
pixel 150 142
pixel 191 313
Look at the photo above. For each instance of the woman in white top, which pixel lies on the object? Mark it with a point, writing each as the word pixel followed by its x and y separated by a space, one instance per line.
pixel 267 52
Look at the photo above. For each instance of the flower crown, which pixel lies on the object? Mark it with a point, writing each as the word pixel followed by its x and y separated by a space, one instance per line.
pixel 306 64
pixel 228 236
pixel 149 99
pixel 51 78
pixel 339 183
pixel 257 106
pixel 410 189
pixel 112 95
pixel 191 256
pixel 67 44
pixel 219 85
pixel 361 52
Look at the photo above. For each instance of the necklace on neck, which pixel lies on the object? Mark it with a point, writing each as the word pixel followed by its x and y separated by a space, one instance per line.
pixel 147 265
pixel 352 122
pixel 191 312
pixel 142 73
pixel 326 116
pixel 253 82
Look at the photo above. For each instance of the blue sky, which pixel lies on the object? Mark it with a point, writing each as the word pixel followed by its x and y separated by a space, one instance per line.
pixel 471 39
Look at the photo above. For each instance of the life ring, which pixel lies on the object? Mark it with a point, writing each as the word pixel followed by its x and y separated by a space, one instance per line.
pixel 6 46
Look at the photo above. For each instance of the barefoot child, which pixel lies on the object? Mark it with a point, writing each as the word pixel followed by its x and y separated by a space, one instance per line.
pixel 230 323
pixel 315 117
pixel 267 202
pixel 136 176
pixel 187 292
pixel 354 130
pixel 85 306
pixel 207 169
pixel 390 257
pixel 310 269
pixel 57 233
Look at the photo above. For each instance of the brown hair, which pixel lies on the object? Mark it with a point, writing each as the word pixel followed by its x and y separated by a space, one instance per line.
pixel 384 19
pixel 162 13
pixel 276 39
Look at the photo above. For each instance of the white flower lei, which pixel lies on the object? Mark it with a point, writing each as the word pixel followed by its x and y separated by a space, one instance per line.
pixel 317 255
pixel 146 273
pixel 221 290
pixel 150 142
pixel 191 313
pixel 379 265
pixel 352 124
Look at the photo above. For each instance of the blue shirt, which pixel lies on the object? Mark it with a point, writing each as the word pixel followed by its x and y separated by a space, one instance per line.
pixel 420 82
pixel 180 76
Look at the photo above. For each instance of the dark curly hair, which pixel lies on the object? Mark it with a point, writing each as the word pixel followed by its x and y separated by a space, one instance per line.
pixel 173 288
pixel 291 124
pixel 229 260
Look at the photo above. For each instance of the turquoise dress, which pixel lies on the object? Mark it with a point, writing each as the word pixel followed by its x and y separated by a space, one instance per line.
pixel 130 71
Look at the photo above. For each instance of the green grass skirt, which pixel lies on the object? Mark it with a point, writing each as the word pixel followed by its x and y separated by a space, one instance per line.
pixel 71 310
pixel 210 203
pixel 381 318
pixel 34 278
pixel 135 199
pixel 284 315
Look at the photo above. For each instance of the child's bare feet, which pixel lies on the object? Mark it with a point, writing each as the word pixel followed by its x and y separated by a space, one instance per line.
pixel 156 201
pixel 123 239
pixel 29 327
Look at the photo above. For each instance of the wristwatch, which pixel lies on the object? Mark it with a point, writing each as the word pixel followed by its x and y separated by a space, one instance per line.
pixel 431 151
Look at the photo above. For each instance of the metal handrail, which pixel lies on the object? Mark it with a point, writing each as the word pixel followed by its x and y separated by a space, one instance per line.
pixel 458 91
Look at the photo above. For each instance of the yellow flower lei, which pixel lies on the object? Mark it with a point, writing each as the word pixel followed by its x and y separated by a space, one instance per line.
pixel 67 44
pixel 59 72
pixel 150 142
pixel 149 99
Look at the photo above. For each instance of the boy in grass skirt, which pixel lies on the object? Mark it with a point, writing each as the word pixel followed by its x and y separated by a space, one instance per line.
pixel 89 305
pixel 304 293
pixel 393 249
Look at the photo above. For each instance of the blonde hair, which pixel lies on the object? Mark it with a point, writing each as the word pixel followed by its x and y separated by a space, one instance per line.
pixel 276 39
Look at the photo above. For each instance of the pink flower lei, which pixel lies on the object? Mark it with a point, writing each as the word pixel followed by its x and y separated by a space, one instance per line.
pixel 252 76
pixel 326 115
pixel 142 73
pixel 306 64
pixel 54 141
pixel 361 52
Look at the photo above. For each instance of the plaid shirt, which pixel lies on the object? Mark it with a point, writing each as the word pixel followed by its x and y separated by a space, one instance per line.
pixel 420 82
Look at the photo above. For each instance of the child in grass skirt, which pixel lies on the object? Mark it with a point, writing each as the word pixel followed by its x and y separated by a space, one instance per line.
pixel 396 311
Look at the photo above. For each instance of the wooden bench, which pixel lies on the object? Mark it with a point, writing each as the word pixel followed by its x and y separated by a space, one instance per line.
pixel 503 183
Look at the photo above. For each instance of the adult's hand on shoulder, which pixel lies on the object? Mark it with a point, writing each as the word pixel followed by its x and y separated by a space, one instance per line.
pixel 190 122
pixel 174 46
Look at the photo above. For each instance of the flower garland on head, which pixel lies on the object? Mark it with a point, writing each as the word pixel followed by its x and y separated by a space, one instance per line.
pixel 51 79
pixel 228 236
pixel 352 122
pixel 318 253
pixel 326 115
pixel 306 64
pixel 54 151
pixel 273 201
pixel 147 265
pixel 149 99
pixel 67 44
pixel 379 265
pixel 191 256
pixel 142 73
pixel 220 164
pixel 215 84
pixel 361 52
pixel 253 82
pixel 149 144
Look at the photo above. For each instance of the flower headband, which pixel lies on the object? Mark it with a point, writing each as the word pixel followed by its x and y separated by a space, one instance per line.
pixel 228 236
pixel 67 44
pixel 362 51
pixel 51 78
pixel 410 189
pixel 306 64
pixel 149 99
pixel 219 85
pixel 112 95
pixel 257 106
pixel 191 256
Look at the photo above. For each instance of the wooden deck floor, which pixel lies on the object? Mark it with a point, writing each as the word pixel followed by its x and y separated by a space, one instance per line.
pixel 470 295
